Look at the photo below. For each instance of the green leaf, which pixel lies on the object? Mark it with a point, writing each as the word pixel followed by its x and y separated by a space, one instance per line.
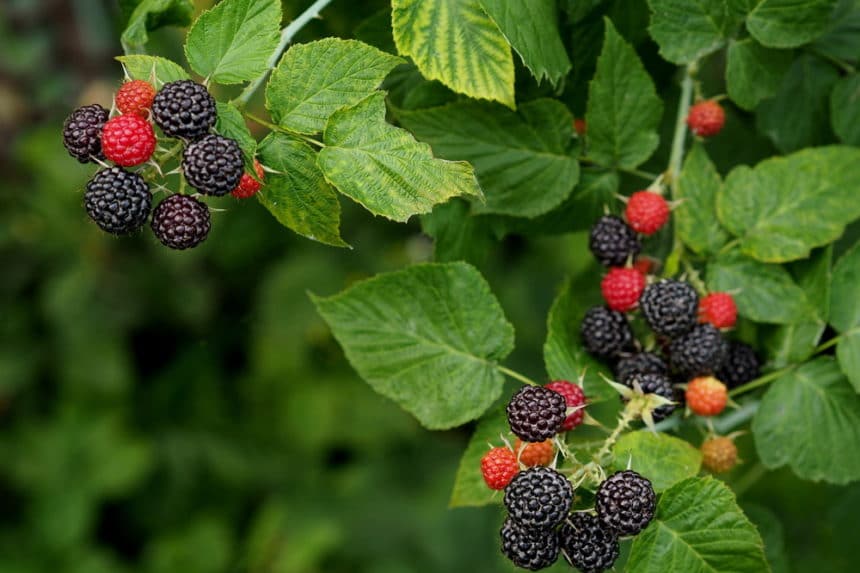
pixel 789 23
pixel 845 312
pixel 798 116
pixel 428 337
pixel 232 42
pixel 623 108
pixel 848 354
pixel 314 80
pixel 231 123
pixel 686 31
pixel 753 72
pixel 469 486
pixel 695 218
pixel 153 69
pixel 384 168
pixel 532 30
pixel 786 206
pixel 522 159
pixel 845 109
pixel 151 15
pixel 298 195
pixel 457 43
pixel 809 419
pixel 698 528
pixel 663 459
pixel 842 38
pixel 457 234
pixel 772 534
pixel 763 293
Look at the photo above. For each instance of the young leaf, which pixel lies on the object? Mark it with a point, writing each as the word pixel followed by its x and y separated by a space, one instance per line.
pixel 695 218
pixel 845 109
pixel 532 30
pixel 428 337
pixel 687 31
pixel 845 313
pixel 314 80
pixel 469 486
pixel 384 168
pixel 298 195
pixel 149 67
pixel 809 419
pixel 789 23
pixel 521 158
pixel 663 459
pixel 232 124
pixel 786 206
pixel 623 108
pixel 698 537
pixel 232 42
pixel 457 43
pixel 753 72
pixel 150 15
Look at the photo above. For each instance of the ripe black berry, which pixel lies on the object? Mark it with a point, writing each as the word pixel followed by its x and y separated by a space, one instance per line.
pixel 640 363
pixel 700 351
pixel 118 201
pixel 538 498
pixel 536 413
pixel 184 108
pixel 740 366
pixel 612 241
pixel 82 132
pixel 670 307
pixel 213 165
pixel 625 502
pixel 605 332
pixel 529 549
pixel 656 384
pixel 587 545
pixel 181 222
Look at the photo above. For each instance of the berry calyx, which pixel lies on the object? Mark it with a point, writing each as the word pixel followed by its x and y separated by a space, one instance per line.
pixel 248 186
pixel 706 396
pixel 700 351
pixel 118 201
pixel 538 498
pixel 622 287
pixel 128 140
pixel 580 126
pixel 536 413
pixel 499 466
pixel 670 307
pixel 605 332
pixel 625 502
pixel 612 241
pixel 574 397
pixel 719 454
pixel 528 548
pixel 535 453
pixel 184 108
pixel 213 165
pixel 740 366
pixel 587 544
pixel 719 309
pixel 135 97
pixel 181 222
pixel 655 384
pixel 82 132
pixel 706 118
pixel 646 212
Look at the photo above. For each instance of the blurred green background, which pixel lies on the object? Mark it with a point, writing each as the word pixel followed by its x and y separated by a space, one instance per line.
pixel 188 412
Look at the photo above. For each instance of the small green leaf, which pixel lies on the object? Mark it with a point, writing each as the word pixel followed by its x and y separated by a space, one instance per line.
pixel 663 459
pixel 809 419
pixel 150 68
pixel 231 123
pixel 845 312
pixel 457 43
pixel 150 15
pixel 532 30
pixel 384 168
pixel 695 218
pixel 469 486
pixel 298 195
pixel 428 337
pixel 763 293
pixel 314 80
pixel 522 159
pixel 845 109
pixel 786 206
pixel 753 72
pixel 698 528
pixel 686 31
pixel 623 108
pixel 789 23
pixel 232 42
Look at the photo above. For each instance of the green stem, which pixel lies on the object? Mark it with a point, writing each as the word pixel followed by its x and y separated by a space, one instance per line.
pixel 516 375
pixel 284 130
pixel 623 423
pixel 843 65
pixel 829 344
pixel 761 381
pixel 287 35
pixel 673 261
pixel 749 479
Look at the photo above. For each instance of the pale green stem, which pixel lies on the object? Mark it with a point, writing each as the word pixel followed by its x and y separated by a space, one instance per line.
pixel 673 261
pixel 517 376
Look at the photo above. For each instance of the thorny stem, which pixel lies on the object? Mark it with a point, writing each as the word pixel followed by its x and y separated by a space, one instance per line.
pixel 623 423
pixel 517 376
pixel 168 155
pixel 287 35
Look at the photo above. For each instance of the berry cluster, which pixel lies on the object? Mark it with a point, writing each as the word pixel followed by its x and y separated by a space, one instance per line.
pixel 119 200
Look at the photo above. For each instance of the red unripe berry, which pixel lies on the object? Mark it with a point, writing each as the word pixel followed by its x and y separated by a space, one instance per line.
pixel 706 396
pixel 247 185
pixel 621 288
pixel 706 118
pixel 128 140
pixel 580 126
pixel 535 453
pixel 574 397
pixel 135 97
pixel 499 466
pixel 646 265
pixel 719 454
pixel 719 309
pixel 646 212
